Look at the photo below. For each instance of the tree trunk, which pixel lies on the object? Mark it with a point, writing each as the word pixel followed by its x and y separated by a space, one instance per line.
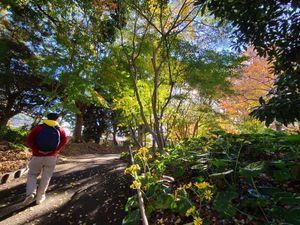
pixel 153 146
pixel 159 140
pixel 78 128
pixel 77 134
pixel 157 120
pixel 141 135
pixel 195 131
pixel 134 138
pixel 115 135
pixel 145 136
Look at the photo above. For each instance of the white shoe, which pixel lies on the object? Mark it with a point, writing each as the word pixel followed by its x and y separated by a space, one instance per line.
pixel 41 199
pixel 29 199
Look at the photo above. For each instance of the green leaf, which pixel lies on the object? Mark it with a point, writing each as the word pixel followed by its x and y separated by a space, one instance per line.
pixel 254 203
pixel 164 201
pixel 178 172
pixel 293 138
pixel 288 215
pixel 200 179
pixel 269 190
pixel 278 163
pixel 221 174
pixel 253 169
pixel 282 175
pixel 131 202
pixel 200 167
pixel 255 166
pixel 292 216
pixel 219 163
pixel 183 202
pixel 289 200
pixel 254 193
pixel 223 203
pixel 133 218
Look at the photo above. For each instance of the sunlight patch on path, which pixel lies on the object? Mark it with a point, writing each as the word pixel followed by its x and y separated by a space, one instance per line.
pixel 89 173
pixel 53 202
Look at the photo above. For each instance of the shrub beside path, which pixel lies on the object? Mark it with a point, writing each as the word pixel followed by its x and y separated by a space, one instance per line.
pixel 85 189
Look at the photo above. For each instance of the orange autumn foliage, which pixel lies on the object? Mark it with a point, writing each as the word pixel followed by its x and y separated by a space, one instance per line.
pixel 255 80
pixel 105 5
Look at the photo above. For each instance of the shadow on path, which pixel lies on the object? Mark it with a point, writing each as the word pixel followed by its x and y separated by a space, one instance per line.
pixel 87 191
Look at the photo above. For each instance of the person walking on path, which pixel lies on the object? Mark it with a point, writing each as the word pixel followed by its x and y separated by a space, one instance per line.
pixel 45 141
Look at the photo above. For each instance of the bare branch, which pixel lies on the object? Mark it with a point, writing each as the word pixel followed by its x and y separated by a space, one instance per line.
pixel 178 15
pixel 174 119
pixel 134 35
pixel 54 21
pixel 189 22
pixel 177 24
pixel 133 72
pixel 143 38
pixel 140 11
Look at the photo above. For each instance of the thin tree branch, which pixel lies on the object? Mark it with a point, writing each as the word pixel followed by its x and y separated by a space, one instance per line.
pixel 134 81
pixel 55 22
pixel 140 11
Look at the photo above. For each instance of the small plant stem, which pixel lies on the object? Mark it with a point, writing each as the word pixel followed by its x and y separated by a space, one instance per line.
pixel 140 197
pixel 237 159
pixel 261 209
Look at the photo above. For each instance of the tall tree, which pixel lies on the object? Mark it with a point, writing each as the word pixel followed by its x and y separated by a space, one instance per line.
pixel 154 25
pixel 96 121
pixel 69 37
pixel 255 80
pixel 22 89
pixel 206 75
pixel 273 28
pixel 19 88
pixel 161 57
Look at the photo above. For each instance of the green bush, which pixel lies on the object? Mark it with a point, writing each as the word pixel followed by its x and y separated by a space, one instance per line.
pixel 19 147
pixel 16 136
pixel 255 176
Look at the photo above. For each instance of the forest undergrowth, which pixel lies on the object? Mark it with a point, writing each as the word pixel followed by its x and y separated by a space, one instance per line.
pixel 223 179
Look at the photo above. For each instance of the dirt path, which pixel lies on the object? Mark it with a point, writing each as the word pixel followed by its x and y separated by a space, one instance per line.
pixel 90 189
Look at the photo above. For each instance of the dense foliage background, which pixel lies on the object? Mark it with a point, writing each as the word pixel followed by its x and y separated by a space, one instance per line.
pixel 177 77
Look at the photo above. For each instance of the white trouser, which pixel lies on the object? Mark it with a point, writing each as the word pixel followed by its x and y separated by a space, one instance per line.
pixel 46 164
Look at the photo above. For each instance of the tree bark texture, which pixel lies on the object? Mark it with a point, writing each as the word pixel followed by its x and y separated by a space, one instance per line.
pixel 78 128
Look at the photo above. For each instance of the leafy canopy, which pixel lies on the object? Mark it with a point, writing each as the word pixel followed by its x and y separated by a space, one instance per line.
pixel 273 28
